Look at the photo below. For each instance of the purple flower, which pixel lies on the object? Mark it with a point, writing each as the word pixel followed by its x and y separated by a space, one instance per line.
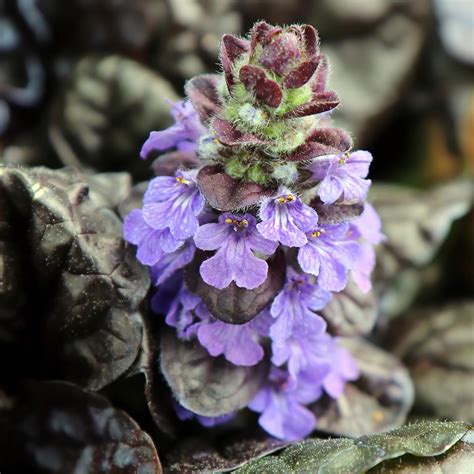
pixel 368 229
pixel 307 349
pixel 208 421
pixel 237 342
pixel 186 313
pixel 281 404
pixel 183 135
pixel 235 238
pixel 342 176
pixel 368 225
pixel 286 219
pixel 343 369
pixel 170 263
pixel 294 306
pixel 328 255
pixel 174 203
pixel 152 244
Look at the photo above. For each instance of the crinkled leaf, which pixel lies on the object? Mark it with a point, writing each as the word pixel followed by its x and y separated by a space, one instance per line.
pixel 84 284
pixel 350 312
pixel 322 141
pixel 208 386
pixel 336 213
pixel 334 456
pixel 107 112
pixel 57 427
pixel 226 454
pixel 228 135
pixel 380 399
pixel 225 193
pixel 437 345
pixel 236 305
pixel 202 92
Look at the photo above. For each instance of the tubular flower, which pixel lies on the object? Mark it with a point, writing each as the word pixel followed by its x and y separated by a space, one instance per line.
pixel 256 214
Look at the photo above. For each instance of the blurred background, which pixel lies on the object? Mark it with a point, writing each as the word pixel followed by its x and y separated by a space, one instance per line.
pixel 83 82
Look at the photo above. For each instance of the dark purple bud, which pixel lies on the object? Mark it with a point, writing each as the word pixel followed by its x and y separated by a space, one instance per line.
pixel 236 305
pixel 228 135
pixel 231 50
pixel 310 36
pixel 225 193
pixel 321 75
pixel 255 80
pixel 262 33
pixel 281 54
pixel 301 74
pixel 322 141
pixel 202 92
pixel 321 102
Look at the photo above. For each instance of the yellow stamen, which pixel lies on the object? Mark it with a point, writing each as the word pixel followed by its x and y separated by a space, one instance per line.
pixel 229 220
pixel 237 223
pixel 316 233
pixel 182 180
pixel 285 199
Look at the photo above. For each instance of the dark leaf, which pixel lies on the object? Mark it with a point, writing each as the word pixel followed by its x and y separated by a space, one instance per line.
pixel 266 90
pixel 380 399
pixel 228 135
pixel 334 456
pixel 231 50
pixel 311 40
pixel 225 193
pixel 84 283
pixel 168 163
pixel 322 141
pixel 262 33
pixel 416 224
pixel 300 75
pixel 351 312
pixel 57 427
pixel 107 112
pixel 228 453
pixel 321 102
pixel 236 305
pixel 202 92
pixel 208 386
pixel 437 345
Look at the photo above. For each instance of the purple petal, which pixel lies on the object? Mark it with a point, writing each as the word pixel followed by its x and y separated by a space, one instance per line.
pixel 235 342
pixel 134 227
pixel 211 236
pixel 171 262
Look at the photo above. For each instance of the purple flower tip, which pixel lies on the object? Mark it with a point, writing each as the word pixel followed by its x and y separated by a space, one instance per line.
pixel 235 238
pixel 342 176
pixel 286 219
pixel 183 135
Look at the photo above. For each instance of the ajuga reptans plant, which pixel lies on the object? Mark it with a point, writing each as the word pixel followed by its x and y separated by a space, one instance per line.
pixel 256 219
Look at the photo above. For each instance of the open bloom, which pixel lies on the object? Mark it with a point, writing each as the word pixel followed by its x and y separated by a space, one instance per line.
pixel 286 219
pixel 235 238
pixel 294 307
pixel 342 176
pixel 329 254
pixel 174 203
pixel 183 135
pixel 281 403
pixel 152 244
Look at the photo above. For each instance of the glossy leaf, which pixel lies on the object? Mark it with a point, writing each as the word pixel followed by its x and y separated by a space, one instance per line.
pixel 208 386
pixel 57 427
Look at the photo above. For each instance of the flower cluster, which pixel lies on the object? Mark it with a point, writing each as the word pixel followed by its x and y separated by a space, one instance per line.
pixel 273 207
